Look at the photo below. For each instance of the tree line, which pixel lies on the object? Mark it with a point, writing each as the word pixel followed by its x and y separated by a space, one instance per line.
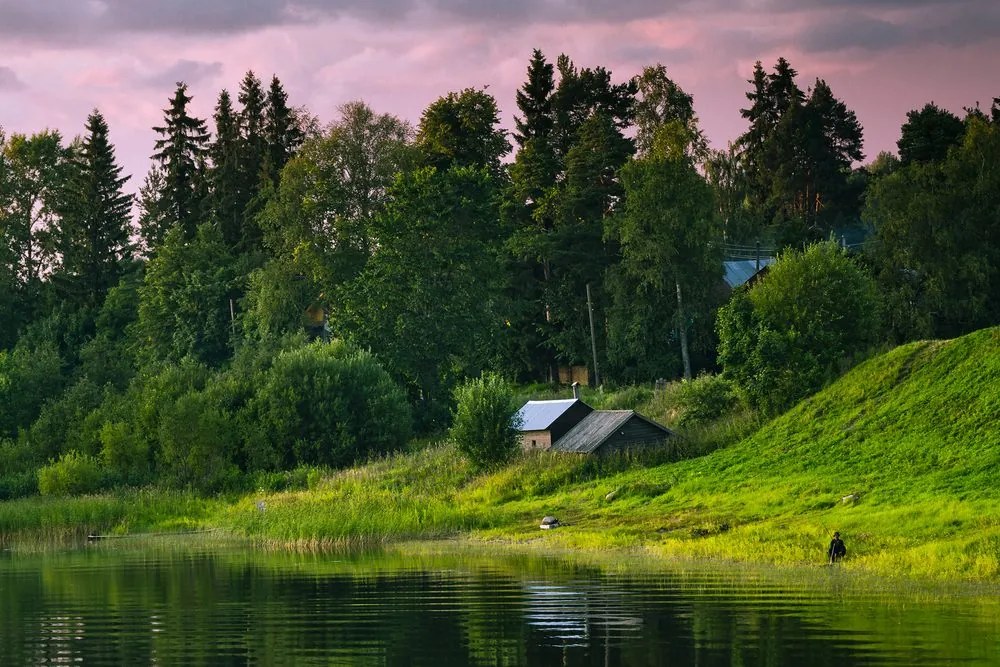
pixel 169 337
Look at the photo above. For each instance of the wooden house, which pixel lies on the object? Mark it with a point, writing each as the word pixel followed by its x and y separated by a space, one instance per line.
pixel 572 426
pixel 605 432
pixel 545 422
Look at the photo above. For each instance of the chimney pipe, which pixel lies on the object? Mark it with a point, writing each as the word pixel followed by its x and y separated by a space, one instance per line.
pixel 576 390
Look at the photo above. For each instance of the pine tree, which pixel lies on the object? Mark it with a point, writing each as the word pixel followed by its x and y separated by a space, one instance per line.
pixel 281 129
pixel 179 151
pixel 92 236
pixel 224 174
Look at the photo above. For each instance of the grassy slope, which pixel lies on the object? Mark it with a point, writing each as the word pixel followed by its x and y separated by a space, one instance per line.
pixel 913 434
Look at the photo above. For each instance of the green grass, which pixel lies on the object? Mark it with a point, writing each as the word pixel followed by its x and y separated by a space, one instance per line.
pixel 910 438
pixel 42 521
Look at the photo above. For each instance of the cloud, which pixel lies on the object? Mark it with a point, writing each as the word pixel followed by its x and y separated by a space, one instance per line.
pixel 188 71
pixel 9 80
pixel 861 32
pixel 915 24
pixel 77 22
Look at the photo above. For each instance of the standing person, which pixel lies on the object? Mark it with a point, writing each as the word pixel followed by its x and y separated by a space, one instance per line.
pixel 837 549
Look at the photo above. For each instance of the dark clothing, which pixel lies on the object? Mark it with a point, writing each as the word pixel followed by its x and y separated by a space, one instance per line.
pixel 837 550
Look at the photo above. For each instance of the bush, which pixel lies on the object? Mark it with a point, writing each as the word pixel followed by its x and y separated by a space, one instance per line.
pixel 327 404
pixel 125 451
pixel 18 469
pixel 72 474
pixel 798 327
pixel 60 426
pixel 482 427
pixel 197 443
pixel 705 399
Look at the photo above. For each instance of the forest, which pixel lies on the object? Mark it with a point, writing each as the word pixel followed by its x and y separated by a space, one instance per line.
pixel 283 293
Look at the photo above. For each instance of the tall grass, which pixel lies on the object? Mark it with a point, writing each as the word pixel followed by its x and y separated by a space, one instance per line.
pixel 68 520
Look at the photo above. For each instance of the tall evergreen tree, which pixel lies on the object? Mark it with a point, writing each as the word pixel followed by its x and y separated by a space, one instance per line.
pixel 224 174
pixel 253 144
pixel 180 152
pixel 928 134
pixel 153 219
pixel 797 154
pixel 534 99
pixel 555 201
pixel 282 131
pixel 92 237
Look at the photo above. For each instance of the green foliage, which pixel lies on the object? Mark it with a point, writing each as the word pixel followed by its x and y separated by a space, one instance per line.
pixel 28 378
pixel 426 298
pixel 184 302
pixel 328 404
pixel 180 151
pixel 460 130
pixel 18 474
pixel 814 312
pixel 936 254
pixel 61 425
pixel 197 444
pixel 72 474
pixel 124 451
pixel 92 237
pixel 670 236
pixel 797 154
pixel 482 425
pixel 928 134
pixel 706 398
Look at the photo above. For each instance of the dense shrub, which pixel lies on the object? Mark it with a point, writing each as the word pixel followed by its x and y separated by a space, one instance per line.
pixel 60 424
pixel 125 451
pixel 327 404
pixel 72 474
pixel 18 474
pixel 706 398
pixel 798 327
pixel 197 444
pixel 483 428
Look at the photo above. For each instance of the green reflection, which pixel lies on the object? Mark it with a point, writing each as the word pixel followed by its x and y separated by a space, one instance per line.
pixel 209 602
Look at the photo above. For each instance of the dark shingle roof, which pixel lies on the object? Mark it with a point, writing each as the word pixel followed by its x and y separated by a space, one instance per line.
pixel 539 415
pixel 592 431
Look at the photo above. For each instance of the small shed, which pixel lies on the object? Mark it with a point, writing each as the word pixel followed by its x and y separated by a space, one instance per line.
pixel 608 431
pixel 545 422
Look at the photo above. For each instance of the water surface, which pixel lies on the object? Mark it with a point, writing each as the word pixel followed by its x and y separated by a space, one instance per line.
pixel 139 603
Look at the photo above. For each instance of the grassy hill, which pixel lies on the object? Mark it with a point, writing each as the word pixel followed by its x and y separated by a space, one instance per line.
pixel 902 455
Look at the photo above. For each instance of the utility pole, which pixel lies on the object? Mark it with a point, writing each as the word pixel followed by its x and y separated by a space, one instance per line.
pixel 593 338
pixel 682 330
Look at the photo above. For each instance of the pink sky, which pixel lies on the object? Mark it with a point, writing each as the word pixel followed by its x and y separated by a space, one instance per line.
pixel 61 58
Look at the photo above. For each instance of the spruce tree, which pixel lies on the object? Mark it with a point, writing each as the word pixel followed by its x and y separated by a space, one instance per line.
pixel 153 219
pixel 179 151
pixel 253 147
pixel 224 173
pixel 534 99
pixel 92 237
pixel 282 132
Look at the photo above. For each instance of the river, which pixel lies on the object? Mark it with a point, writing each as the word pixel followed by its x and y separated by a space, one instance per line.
pixel 170 602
